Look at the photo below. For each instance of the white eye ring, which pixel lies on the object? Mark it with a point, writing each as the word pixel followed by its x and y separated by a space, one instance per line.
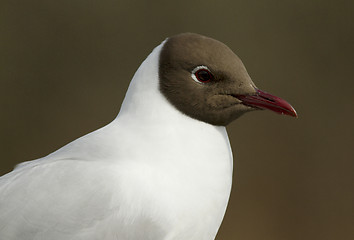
pixel 196 70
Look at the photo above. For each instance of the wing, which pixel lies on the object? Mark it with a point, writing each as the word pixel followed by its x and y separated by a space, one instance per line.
pixel 73 199
pixel 81 192
pixel 55 200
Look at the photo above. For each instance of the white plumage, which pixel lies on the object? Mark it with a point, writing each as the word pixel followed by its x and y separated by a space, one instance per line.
pixel 153 174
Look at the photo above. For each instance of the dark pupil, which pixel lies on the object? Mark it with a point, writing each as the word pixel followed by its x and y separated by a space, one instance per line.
pixel 203 75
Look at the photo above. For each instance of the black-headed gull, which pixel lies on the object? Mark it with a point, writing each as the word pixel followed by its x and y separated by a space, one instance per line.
pixel 162 170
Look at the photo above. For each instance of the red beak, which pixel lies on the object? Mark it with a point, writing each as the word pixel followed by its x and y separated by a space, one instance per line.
pixel 263 100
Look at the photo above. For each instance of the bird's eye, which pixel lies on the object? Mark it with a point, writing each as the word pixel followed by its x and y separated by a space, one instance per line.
pixel 202 74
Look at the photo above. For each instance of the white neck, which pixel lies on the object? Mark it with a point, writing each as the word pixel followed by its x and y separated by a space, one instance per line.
pixel 144 100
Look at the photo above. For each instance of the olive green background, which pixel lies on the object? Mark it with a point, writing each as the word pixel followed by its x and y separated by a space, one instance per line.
pixel 65 66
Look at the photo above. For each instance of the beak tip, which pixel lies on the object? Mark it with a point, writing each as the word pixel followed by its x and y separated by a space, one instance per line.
pixel 291 112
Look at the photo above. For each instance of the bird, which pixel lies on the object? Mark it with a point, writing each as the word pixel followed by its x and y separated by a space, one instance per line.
pixel 161 170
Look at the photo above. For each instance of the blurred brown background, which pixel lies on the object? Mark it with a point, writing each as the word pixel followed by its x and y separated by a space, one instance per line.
pixel 65 66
